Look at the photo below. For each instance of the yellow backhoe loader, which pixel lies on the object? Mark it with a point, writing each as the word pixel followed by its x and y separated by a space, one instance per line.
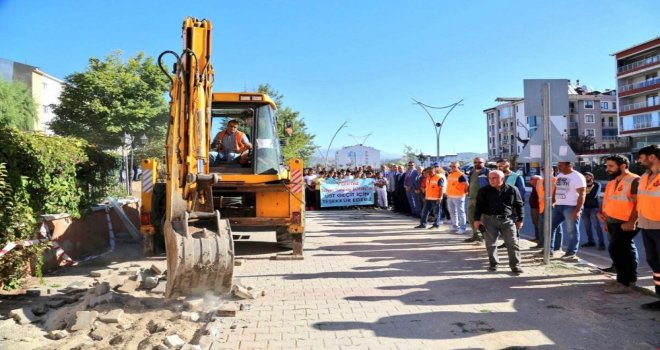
pixel 208 187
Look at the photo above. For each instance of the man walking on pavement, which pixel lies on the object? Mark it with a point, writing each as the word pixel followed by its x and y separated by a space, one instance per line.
pixel 457 187
pixel 648 202
pixel 590 213
pixel 568 200
pixel 433 187
pixel 500 208
pixel 478 179
pixel 511 179
pixel 620 216
pixel 409 177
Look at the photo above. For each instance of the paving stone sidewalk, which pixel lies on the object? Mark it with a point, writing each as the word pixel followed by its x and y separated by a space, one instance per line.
pixel 371 281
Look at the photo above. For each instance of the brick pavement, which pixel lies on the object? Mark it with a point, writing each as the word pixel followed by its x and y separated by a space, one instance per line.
pixel 370 281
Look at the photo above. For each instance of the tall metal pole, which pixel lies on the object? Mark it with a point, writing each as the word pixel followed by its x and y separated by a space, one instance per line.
pixel 325 165
pixel 547 176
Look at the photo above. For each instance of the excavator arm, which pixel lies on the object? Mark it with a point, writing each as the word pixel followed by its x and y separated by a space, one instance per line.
pixel 198 242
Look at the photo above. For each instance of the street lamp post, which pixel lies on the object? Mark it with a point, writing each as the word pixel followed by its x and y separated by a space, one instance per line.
pixel 438 126
pixel 330 145
pixel 127 141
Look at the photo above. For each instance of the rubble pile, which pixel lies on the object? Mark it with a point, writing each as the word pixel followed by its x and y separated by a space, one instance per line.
pixel 125 307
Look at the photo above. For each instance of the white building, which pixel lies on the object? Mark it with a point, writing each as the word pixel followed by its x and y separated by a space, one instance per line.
pixel 358 155
pixel 45 89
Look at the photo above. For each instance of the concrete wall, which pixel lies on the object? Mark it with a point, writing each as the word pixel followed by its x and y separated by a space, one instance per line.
pixel 88 235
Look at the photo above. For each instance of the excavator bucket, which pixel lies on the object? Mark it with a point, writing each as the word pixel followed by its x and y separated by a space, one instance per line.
pixel 200 255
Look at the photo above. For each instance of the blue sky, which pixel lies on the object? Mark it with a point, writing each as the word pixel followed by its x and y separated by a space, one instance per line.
pixel 355 61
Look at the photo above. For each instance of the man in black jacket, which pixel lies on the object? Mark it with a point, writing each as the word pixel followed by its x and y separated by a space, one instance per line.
pixel 500 210
pixel 590 213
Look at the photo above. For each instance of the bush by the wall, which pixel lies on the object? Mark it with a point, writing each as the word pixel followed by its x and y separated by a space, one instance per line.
pixel 44 175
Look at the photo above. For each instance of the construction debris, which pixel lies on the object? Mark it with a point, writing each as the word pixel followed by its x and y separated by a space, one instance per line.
pixel 58 334
pixel 190 316
pixel 84 320
pixel 113 316
pixel 173 341
pixel 23 315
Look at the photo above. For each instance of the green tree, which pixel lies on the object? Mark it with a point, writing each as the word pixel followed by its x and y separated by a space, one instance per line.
pixel 301 143
pixel 113 97
pixel 409 154
pixel 17 108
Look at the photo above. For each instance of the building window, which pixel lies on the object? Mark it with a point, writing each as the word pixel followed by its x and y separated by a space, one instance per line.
pixel 589 118
pixel 613 105
pixel 46 108
pixel 44 85
pixel 590 132
pixel 516 108
pixel 604 105
pixel 588 104
pixel 652 100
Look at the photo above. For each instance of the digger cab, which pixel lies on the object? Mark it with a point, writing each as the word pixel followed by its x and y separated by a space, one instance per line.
pixel 257 192
pixel 257 152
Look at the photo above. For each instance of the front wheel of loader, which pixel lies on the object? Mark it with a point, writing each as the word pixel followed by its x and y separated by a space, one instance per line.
pixel 285 238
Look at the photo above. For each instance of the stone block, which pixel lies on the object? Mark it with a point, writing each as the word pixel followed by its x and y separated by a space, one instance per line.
pixel 129 286
pixel 243 293
pixel 102 332
pixel 23 315
pixel 158 268
pixel 227 310
pixel 190 316
pixel 100 273
pixel 39 310
pixel 113 316
pixel 173 341
pixel 101 288
pixel 191 347
pixel 159 289
pixel 84 320
pixel 193 303
pixel 55 303
pixel 97 300
pixel 58 334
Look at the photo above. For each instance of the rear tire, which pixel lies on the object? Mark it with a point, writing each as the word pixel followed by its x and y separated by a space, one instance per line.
pixel 285 238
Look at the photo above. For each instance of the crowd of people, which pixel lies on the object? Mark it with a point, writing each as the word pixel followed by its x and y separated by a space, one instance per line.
pixel 495 208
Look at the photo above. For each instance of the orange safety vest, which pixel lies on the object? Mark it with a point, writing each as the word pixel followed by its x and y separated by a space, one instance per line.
pixel 540 191
pixel 240 146
pixel 648 197
pixel 456 189
pixel 433 188
pixel 618 202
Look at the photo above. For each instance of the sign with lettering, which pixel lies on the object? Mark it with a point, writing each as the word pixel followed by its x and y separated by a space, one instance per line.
pixel 347 193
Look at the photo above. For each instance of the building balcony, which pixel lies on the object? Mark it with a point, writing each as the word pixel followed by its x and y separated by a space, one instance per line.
pixel 609 125
pixel 573 110
pixel 573 125
pixel 638 64
pixel 640 85
pixel 638 105
pixel 610 138
pixel 641 123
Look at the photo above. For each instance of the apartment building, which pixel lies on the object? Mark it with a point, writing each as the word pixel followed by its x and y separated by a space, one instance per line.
pixel 637 70
pixel 507 127
pixel 592 120
pixel 592 123
pixel 45 89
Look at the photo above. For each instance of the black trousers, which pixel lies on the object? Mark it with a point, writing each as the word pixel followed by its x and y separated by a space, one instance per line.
pixel 623 253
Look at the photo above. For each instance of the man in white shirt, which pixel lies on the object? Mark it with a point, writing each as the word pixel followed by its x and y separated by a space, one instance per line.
pixel 568 201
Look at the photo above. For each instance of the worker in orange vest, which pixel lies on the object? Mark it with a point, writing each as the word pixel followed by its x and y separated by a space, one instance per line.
pixel 433 186
pixel 457 188
pixel 559 233
pixel 620 216
pixel 648 212
pixel 231 144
